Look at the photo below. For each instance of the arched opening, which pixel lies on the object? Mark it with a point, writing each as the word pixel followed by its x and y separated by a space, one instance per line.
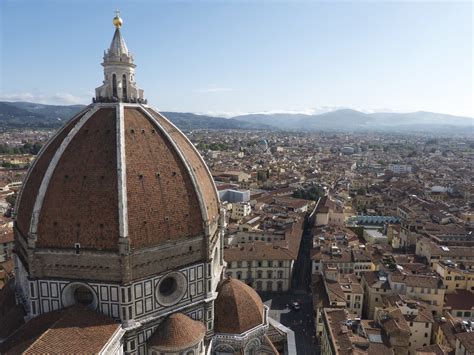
pixel 124 86
pixel 114 85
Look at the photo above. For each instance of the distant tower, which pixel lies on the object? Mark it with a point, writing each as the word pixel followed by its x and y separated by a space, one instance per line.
pixel 119 71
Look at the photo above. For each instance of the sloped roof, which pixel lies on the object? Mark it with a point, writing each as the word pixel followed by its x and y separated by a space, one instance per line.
pixel 71 330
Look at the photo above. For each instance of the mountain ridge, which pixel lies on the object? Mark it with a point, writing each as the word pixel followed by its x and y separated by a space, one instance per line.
pixel 27 114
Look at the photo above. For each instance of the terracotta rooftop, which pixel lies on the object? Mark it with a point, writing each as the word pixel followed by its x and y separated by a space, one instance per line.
pixel 434 349
pixel 177 333
pixel 286 249
pixel 467 340
pixel 238 308
pixel 459 300
pixel 395 323
pixel 417 280
pixel 347 342
pixel 70 330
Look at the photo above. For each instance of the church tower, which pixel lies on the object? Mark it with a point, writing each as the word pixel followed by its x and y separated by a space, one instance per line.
pixel 119 213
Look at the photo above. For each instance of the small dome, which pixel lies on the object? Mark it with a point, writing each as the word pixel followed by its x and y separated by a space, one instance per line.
pixel 177 333
pixel 238 308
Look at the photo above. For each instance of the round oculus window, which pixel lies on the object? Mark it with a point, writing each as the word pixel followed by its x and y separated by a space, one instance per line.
pixel 168 286
pixel 83 295
pixel 171 289
pixel 80 294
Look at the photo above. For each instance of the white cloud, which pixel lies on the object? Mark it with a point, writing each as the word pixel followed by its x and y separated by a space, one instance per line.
pixel 308 111
pixel 213 88
pixel 61 98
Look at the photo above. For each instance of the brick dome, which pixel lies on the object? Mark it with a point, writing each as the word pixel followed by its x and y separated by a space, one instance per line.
pixel 115 173
pixel 238 308
pixel 177 333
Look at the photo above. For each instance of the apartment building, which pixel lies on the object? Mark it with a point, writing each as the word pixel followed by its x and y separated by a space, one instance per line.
pixel 456 276
pixel 266 265
pixel 399 312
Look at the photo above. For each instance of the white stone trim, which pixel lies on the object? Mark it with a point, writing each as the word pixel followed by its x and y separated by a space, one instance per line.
pixel 290 335
pixel 193 147
pixel 186 164
pixel 52 166
pixel 122 173
pixel 114 344
pixel 43 149
pixel 136 324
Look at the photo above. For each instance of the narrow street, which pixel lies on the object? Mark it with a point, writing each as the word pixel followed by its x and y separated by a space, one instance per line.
pixel 300 321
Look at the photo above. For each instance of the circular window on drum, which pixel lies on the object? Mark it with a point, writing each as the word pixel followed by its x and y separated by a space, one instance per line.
pixel 79 294
pixel 171 289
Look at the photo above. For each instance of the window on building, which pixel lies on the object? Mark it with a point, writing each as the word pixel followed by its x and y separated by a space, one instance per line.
pixel 124 86
pixel 114 85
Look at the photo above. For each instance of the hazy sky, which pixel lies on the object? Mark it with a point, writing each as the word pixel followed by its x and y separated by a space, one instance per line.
pixel 247 56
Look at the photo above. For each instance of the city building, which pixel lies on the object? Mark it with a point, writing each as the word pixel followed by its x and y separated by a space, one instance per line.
pixel 399 312
pixel 344 334
pixel 240 210
pixel 267 264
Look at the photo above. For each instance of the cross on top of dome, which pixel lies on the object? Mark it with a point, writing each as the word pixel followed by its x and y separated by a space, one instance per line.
pixel 117 21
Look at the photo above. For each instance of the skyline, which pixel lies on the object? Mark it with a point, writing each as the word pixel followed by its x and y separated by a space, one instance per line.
pixel 239 57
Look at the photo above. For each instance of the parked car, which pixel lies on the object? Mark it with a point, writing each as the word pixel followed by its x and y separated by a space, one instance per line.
pixel 296 306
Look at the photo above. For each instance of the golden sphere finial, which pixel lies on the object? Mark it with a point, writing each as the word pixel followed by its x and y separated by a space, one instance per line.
pixel 117 21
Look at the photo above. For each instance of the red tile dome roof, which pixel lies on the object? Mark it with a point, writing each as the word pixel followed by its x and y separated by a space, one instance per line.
pixel 117 171
pixel 177 333
pixel 238 308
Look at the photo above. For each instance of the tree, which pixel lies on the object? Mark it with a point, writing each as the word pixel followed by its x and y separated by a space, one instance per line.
pixel 11 199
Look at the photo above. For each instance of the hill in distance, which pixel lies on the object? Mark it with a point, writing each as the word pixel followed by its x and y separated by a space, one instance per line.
pixel 32 115
pixel 352 120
